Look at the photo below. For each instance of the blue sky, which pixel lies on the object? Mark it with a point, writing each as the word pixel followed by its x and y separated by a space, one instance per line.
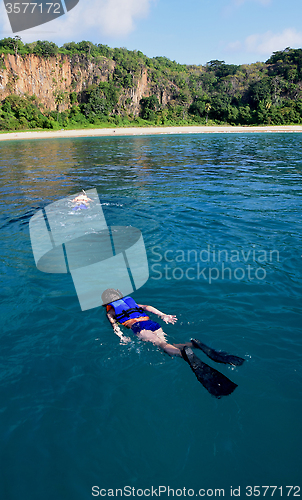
pixel 190 31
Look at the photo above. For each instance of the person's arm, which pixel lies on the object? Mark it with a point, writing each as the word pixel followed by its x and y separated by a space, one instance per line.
pixel 81 197
pixel 167 318
pixel 115 326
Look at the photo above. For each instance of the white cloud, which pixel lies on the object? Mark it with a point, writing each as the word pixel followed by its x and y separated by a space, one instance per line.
pixel 110 17
pixel 119 15
pixel 5 29
pixel 103 17
pixel 269 42
pixel 234 46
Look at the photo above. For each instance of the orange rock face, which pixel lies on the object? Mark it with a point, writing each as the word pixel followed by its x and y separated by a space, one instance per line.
pixel 46 78
pixel 61 75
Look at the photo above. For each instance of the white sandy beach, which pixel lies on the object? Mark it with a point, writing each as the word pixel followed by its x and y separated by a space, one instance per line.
pixel 148 131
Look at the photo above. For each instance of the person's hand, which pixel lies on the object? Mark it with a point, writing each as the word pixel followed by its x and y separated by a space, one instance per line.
pixel 125 340
pixel 119 333
pixel 169 318
pixel 117 330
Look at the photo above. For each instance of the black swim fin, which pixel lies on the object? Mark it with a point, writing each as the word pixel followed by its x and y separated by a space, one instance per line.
pixel 218 356
pixel 215 382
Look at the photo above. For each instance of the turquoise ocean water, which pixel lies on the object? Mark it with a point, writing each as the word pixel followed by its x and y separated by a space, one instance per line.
pixel 221 220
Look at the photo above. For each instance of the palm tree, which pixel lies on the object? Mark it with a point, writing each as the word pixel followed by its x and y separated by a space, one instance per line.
pixel 16 41
pixel 207 108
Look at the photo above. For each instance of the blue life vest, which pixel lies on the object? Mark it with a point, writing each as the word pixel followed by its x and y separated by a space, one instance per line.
pixel 126 308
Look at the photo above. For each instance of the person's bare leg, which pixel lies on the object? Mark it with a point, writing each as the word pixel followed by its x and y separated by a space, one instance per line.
pixel 187 344
pixel 149 336
pixel 162 336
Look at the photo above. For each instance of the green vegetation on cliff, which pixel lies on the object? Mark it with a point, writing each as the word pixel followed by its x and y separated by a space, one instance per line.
pixel 248 94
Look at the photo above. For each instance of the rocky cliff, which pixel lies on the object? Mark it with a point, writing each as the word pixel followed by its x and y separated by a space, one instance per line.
pixel 62 75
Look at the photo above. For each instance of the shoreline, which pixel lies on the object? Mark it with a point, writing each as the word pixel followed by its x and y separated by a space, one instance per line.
pixel 136 131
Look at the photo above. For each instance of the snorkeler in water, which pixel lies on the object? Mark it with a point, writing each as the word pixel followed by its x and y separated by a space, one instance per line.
pixel 125 311
pixel 81 201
